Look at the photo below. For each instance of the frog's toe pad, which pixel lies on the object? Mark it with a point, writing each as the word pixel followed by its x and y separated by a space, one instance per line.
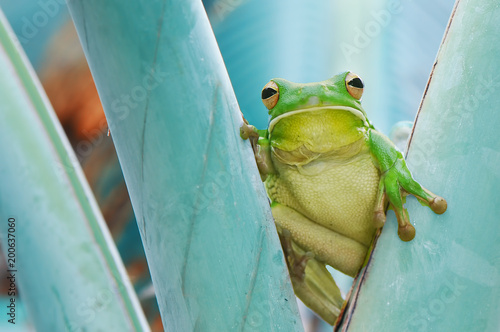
pixel 244 131
pixel 406 233
pixel 438 205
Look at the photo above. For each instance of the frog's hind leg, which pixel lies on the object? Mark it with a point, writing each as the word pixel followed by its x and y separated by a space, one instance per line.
pixel 311 281
pixel 332 248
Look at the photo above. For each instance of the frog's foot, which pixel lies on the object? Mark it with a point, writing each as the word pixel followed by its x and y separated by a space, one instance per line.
pixel 247 130
pixel 296 261
pixel 395 184
pixel 437 203
pixel 260 147
pixel 311 281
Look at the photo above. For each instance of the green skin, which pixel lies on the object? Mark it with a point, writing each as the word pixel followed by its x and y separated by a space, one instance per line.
pixel 330 176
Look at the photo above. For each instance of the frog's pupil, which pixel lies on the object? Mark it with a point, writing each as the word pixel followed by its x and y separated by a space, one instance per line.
pixel 268 92
pixel 356 82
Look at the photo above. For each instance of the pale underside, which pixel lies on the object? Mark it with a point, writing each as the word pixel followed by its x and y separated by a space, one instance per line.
pixel 327 203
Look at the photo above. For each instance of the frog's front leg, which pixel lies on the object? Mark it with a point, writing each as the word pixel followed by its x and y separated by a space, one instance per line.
pixel 396 182
pixel 260 146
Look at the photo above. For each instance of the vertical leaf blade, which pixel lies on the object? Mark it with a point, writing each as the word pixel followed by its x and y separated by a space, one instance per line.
pixel 67 266
pixel 448 277
pixel 203 215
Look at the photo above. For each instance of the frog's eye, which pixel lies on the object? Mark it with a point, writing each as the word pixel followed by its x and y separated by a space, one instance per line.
pixel 270 95
pixel 354 85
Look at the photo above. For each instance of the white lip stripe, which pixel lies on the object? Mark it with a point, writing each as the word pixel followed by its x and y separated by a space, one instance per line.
pixel 354 111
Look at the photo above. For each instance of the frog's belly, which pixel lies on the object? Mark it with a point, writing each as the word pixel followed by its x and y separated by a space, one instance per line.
pixel 338 196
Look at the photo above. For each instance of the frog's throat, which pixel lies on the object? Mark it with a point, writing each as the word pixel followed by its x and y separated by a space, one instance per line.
pixel 354 111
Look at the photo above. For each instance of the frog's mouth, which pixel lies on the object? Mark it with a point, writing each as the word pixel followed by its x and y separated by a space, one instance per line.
pixel 354 111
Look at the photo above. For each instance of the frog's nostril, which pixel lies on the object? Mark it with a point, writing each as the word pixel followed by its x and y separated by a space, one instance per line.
pixel 314 100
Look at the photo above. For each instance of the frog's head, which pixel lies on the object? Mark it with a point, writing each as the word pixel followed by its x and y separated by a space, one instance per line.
pixel 341 92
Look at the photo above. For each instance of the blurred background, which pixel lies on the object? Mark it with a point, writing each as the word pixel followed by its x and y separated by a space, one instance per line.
pixel 390 44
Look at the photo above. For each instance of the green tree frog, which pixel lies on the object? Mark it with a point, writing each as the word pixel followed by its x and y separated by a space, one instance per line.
pixel 329 175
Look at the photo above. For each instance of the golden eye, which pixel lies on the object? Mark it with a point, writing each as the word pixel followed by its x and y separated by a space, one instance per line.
pixel 354 85
pixel 270 95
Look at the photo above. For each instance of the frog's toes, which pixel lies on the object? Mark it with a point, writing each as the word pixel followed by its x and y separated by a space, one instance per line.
pixel 300 263
pixel 407 232
pixel 395 194
pixel 438 205
pixel 296 261
pixel 401 183
pixel 247 131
